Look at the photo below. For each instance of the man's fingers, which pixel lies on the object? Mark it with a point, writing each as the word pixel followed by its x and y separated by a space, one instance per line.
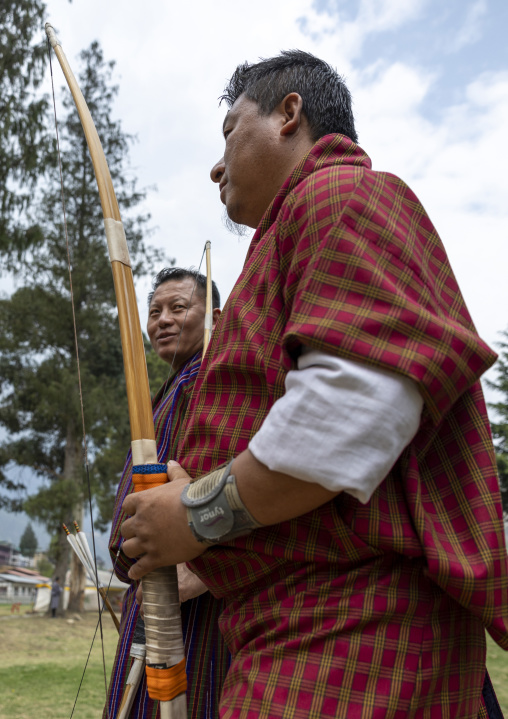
pixel 132 547
pixel 127 530
pixel 176 472
pixel 129 504
pixel 143 566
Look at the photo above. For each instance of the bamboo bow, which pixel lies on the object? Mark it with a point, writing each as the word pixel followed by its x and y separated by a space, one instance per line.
pixel 208 302
pixel 164 645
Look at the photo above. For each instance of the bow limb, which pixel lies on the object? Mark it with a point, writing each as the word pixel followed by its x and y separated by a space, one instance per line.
pixel 208 305
pixel 164 644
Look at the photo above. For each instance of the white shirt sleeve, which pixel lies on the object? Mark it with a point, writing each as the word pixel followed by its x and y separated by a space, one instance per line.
pixel 340 424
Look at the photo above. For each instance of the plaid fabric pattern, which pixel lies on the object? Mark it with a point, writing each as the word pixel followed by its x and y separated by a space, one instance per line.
pixel 354 610
pixel 206 654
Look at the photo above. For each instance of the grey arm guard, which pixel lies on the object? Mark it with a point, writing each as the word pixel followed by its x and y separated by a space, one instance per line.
pixel 214 509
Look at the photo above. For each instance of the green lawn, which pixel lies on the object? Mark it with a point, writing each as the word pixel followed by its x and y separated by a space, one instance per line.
pixel 42 661
pixel 497 664
pixel 5 609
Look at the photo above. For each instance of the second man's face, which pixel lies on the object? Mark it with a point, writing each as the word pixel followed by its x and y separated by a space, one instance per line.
pixel 176 304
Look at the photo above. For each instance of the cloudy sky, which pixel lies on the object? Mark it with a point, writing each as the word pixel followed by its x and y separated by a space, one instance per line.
pixel 430 85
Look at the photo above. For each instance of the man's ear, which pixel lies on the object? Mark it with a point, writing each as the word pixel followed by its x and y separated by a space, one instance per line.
pixel 291 109
pixel 215 316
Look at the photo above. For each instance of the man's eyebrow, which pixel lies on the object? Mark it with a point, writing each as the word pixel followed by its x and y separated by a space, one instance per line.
pixel 177 298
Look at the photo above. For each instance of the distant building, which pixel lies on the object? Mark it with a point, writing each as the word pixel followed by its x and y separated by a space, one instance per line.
pixel 11 556
pixel 6 550
pixel 107 579
pixel 19 584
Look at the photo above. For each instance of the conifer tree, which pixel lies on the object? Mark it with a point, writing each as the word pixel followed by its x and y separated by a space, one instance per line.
pixel 28 542
pixel 500 427
pixel 24 137
pixel 40 404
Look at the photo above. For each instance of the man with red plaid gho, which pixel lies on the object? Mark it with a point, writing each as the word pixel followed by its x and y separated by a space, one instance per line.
pixel 344 500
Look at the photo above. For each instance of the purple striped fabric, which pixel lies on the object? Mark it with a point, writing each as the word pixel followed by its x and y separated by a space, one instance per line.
pixel 207 656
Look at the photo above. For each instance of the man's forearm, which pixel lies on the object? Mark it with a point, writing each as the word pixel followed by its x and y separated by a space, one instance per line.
pixel 272 497
pixel 158 532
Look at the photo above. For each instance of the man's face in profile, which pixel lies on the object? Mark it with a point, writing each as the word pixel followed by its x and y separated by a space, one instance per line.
pixel 249 173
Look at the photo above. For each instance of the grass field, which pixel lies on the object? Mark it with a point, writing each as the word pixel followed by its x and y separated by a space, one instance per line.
pixel 5 609
pixel 42 661
pixel 497 664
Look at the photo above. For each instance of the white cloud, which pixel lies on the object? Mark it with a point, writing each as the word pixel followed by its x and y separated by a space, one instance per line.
pixel 346 38
pixel 380 15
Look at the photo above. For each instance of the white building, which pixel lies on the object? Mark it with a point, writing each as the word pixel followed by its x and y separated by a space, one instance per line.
pixel 19 585
pixel 109 581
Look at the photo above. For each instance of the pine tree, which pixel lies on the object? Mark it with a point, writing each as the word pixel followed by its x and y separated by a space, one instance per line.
pixel 40 404
pixel 500 427
pixel 28 542
pixel 24 137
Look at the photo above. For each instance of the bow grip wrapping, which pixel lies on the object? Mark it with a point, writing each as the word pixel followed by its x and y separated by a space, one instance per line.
pixel 165 670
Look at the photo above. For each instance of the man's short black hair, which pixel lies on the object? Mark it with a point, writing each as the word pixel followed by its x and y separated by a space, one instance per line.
pixel 327 102
pixel 169 274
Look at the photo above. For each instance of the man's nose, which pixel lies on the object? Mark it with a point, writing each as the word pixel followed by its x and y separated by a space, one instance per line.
pixel 166 317
pixel 217 171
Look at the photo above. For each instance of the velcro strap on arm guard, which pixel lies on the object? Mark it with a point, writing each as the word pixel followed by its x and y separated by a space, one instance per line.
pixel 214 509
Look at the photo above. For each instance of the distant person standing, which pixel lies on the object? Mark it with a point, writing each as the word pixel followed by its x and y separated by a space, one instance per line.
pixel 56 590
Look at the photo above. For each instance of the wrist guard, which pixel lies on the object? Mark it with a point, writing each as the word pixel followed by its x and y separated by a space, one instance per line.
pixel 215 511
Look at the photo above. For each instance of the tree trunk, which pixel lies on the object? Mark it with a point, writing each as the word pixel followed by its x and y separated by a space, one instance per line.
pixel 78 575
pixel 62 564
pixel 73 471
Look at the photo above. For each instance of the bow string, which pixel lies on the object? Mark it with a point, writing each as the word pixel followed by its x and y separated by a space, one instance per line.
pixel 165 660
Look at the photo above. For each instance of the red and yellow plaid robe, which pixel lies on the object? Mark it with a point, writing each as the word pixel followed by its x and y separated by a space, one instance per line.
pixel 354 610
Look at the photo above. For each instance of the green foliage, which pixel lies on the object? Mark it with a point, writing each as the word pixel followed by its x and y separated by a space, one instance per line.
pixel 24 135
pixel 45 567
pixel 39 393
pixel 54 549
pixel 28 542
pixel 502 468
pixel 500 426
